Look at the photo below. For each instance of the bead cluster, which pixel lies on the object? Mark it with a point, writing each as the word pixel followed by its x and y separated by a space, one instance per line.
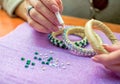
pixel 76 49
pixel 59 43
pixel 44 60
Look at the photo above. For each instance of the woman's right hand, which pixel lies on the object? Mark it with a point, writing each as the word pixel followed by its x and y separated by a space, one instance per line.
pixel 42 16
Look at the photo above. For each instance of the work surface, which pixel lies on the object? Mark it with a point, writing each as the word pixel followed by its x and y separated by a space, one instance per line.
pixel 69 69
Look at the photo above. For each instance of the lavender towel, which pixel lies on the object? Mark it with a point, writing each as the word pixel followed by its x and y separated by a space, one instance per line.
pixel 70 69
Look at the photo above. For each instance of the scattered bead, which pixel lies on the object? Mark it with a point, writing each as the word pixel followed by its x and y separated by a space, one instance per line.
pixel 26 66
pixel 55 65
pixel 43 62
pixel 64 67
pixel 36 53
pixel 46 56
pixel 51 52
pixel 68 63
pixel 50 58
pixel 35 57
pixel 40 54
pixel 28 62
pixel 62 64
pixel 39 59
pixel 47 63
pixel 43 68
pixel 22 59
pixel 33 64
pixel 50 64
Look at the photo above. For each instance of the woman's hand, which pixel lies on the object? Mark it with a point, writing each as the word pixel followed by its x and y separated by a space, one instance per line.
pixel 111 60
pixel 42 16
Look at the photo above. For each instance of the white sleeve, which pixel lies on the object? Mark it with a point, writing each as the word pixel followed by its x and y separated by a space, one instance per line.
pixel 10 5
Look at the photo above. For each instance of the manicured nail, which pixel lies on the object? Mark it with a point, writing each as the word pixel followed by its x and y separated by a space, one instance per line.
pixel 55 8
pixel 95 59
pixel 105 44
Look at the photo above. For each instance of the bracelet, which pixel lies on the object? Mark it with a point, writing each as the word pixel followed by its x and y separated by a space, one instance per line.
pixel 59 43
pixel 90 34
pixel 55 41
pixel 76 49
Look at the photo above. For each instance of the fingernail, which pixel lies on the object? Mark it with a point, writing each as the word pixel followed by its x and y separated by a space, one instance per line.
pixel 58 1
pixel 55 8
pixel 104 44
pixel 95 59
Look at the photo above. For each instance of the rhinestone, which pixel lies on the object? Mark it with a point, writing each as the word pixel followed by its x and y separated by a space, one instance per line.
pixel 68 63
pixel 51 52
pixel 22 59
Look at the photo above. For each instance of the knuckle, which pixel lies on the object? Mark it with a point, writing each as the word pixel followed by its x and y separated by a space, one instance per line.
pixel 33 13
pixel 37 5
pixel 31 23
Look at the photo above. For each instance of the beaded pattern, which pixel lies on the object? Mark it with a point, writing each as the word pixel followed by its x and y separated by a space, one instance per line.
pixel 56 42
pixel 60 43
pixel 75 49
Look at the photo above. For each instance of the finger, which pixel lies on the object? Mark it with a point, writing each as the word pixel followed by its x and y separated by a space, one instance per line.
pixel 42 20
pixel 111 48
pixel 41 8
pixel 59 2
pixel 114 68
pixel 108 59
pixel 50 3
pixel 37 26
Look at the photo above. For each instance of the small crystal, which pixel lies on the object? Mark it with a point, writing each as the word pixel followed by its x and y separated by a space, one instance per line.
pixel 51 52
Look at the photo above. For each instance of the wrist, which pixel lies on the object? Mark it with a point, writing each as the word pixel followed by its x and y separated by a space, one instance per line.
pixel 21 11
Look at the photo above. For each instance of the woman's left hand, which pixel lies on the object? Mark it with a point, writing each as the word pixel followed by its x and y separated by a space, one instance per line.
pixel 112 60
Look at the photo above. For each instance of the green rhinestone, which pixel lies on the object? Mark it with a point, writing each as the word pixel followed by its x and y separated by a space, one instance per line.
pixel 47 63
pixel 33 64
pixel 36 53
pixel 51 58
pixel 22 59
pixel 28 62
pixel 76 44
pixel 26 66
pixel 43 62
pixel 35 57
pixel 63 46
pixel 39 59
pixel 61 41
pixel 57 41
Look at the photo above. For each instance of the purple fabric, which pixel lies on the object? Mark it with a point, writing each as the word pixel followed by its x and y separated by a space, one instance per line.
pixel 24 41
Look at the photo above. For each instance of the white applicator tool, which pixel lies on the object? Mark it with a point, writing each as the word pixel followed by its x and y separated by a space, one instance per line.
pixel 60 20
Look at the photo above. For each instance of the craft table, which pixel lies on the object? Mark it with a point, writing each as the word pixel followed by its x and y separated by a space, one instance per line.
pixel 20 45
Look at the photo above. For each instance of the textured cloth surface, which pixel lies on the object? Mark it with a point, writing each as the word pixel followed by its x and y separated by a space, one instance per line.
pixel 24 41
pixel 10 6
